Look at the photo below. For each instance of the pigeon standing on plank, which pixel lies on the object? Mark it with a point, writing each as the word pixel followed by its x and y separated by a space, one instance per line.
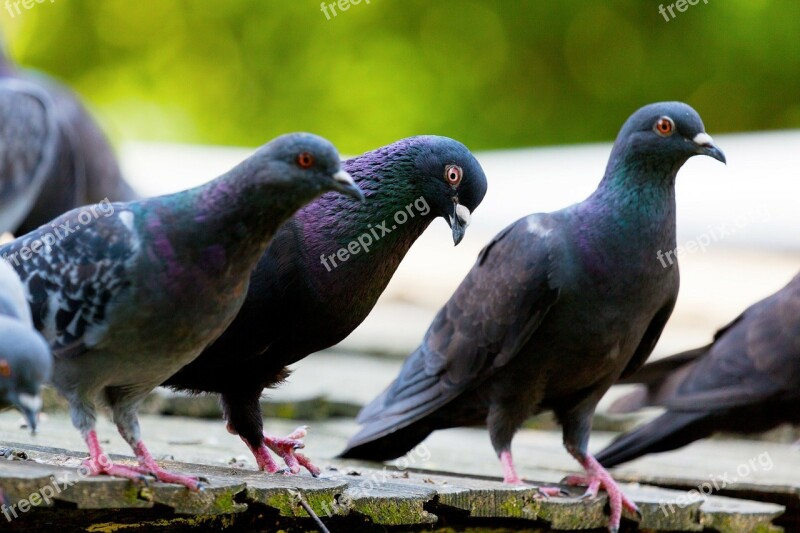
pixel 323 273
pixel 29 137
pixel 557 307
pixel 747 380
pixel 126 296
pixel 85 169
pixel 25 360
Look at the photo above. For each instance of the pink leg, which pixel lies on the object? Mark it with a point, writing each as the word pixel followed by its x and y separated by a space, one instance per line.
pixel 149 465
pixel 99 463
pixel 597 477
pixel 510 476
pixel 509 472
pixel 286 448
pixel 264 460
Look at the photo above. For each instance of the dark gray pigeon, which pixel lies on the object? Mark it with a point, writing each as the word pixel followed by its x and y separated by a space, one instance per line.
pixel 557 307
pixel 128 295
pixel 29 137
pixel 84 169
pixel 306 294
pixel 25 360
pixel 747 380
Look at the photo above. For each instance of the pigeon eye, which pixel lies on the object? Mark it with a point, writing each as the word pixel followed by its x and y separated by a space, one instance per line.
pixel 452 174
pixel 5 368
pixel 664 126
pixel 305 160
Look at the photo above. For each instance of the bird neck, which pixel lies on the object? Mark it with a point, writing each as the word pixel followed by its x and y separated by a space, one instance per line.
pixel 220 228
pixel 242 211
pixel 631 214
pixel 352 249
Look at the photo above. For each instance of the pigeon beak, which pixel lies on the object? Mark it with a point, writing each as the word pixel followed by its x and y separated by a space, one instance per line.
pixel 459 221
pixel 345 185
pixel 707 147
pixel 29 406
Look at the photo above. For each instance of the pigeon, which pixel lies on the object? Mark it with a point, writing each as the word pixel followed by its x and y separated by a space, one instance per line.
pixel 322 275
pixel 556 308
pixel 25 360
pixel 129 294
pixel 747 380
pixel 29 137
pixel 84 169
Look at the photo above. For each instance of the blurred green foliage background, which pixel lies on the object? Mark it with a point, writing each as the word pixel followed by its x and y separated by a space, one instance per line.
pixel 490 73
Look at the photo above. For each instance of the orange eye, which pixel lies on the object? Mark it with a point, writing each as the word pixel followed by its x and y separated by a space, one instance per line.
pixel 5 368
pixel 452 174
pixel 305 160
pixel 664 126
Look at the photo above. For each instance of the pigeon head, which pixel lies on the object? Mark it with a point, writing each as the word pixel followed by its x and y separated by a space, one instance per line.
pixel 304 163
pixel 25 363
pixel 451 179
pixel 662 136
pixel 438 170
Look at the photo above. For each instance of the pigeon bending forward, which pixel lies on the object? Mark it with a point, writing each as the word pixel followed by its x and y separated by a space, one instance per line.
pixel 323 273
pixel 747 380
pixel 556 308
pixel 83 169
pixel 25 360
pixel 127 296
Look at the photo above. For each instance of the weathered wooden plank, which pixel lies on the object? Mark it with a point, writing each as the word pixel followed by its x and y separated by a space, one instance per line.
pixel 284 492
pixel 104 492
pixel 385 497
pixel 19 480
pixel 730 515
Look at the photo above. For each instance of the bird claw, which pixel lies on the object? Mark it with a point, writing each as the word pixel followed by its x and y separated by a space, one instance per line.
pixel 133 474
pixel 548 492
pixel 286 448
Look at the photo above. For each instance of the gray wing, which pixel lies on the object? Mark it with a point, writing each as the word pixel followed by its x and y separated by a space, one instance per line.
pixel 755 359
pixel 28 148
pixel 74 276
pixel 492 314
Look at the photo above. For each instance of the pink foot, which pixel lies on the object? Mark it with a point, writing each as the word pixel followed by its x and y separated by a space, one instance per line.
pixel 286 448
pixel 149 465
pixel 264 460
pixel 597 477
pixel 510 476
pixel 98 463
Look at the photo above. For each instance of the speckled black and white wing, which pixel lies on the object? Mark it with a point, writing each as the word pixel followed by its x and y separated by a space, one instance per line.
pixel 28 147
pixel 74 270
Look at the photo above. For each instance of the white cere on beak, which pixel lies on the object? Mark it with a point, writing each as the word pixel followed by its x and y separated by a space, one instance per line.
pixel 344 177
pixel 463 214
pixel 28 401
pixel 703 139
